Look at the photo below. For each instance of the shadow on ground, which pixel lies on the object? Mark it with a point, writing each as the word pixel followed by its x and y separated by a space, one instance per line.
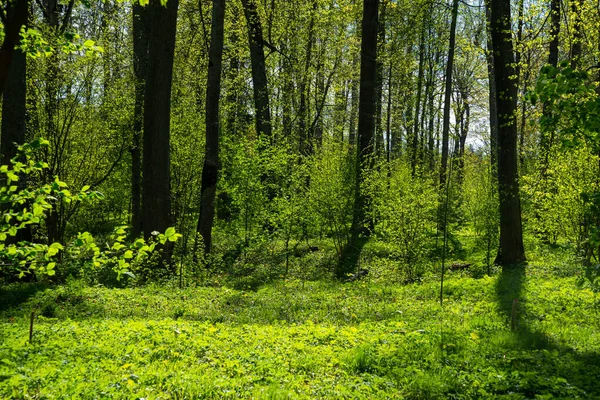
pixel 543 365
pixel 14 295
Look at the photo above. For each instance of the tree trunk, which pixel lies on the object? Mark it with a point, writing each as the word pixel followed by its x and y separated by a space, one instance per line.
pixel 14 108
pixel 14 126
pixel 211 153
pixel 388 129
pixel 304 89
pixel 448 94
pixel 353 113
pixel 379 81
pixel 492 93
pixel 545 139
pixel 511 251
pixel 259 71
pixel 140 61
pixel 576 46
pixel 320 97
pixel 366 127
pixel 415 133
pixel 156 196
pixel 288 95
pixel 16 16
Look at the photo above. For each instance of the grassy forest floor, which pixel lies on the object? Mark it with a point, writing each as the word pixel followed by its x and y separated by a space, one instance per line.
pixel 308 339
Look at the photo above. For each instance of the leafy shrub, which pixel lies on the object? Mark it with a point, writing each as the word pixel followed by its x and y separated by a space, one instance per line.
pixel 24 207
pixel 404 211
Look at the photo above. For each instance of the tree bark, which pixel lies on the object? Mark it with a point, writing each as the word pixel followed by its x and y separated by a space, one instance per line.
pixel 156 182
pixel 16 16
pixel 211 154
pixel 546 139
pixel 492 93
pixel 511 251
pixel 304 89
pixel 448 94
pixel 259 71
pixel 415 133
pixel 14 108
pixel 14 126
pixel 366 128
pixel 577 45
pixel 379 81
pixel 353 113
pixel 140 61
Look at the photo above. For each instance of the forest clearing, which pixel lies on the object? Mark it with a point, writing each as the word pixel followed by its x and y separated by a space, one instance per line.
pixel 367 339
pixel 320 199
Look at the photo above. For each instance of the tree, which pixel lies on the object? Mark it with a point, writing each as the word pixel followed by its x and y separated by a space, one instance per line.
pixel 156 190
pixel 259 71
pixel 211 156
pixel 448 94
pixel 366 129
pixel 14 108
pixel 140 61
pixel 16 14
pixel 547 138
pixel 492 91
pixel 511 251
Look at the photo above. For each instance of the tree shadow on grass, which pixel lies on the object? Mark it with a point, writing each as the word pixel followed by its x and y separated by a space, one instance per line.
pixel 13 295
pixel 350 256
pixel 539 363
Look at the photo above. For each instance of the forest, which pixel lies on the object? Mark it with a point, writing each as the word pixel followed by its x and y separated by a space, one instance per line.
pixel 300 199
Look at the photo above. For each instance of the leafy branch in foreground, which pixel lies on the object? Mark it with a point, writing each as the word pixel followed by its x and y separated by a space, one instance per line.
pixel 23 207
pixel 572 101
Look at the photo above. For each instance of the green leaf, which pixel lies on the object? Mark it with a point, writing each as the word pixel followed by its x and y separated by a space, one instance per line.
pixel 170 232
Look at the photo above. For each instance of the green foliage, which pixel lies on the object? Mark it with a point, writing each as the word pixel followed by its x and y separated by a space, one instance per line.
pixel 574 105
pixel 35 45
pixel 574 117
pixel 308 340
pixel 554 206
pixel 331 194
pixel 404 211
pixel 24 207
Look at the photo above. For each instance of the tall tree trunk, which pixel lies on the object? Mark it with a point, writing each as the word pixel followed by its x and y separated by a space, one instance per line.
pixel 464 132
pixel 448 94
pixel 492 93
pixel 379 81
pixel 526 77
pixel 288 95
pixel 546 140
pixel 415 133
pixel 304 88
pixel 156 181
pixel 211 153
pixel 58 137
pixel 388 128
pixel 577 45
pixel 14 125
pixel 431 111
pixel 140 61
pixel 366 128
pixel 14 108
pixel 511 251
pixel 341 109
pixel 353 113
pixel 259 71
pixel 16 16
pixel 320 97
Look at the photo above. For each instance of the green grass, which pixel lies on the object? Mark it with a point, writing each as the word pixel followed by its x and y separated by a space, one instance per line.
pixel 298 339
